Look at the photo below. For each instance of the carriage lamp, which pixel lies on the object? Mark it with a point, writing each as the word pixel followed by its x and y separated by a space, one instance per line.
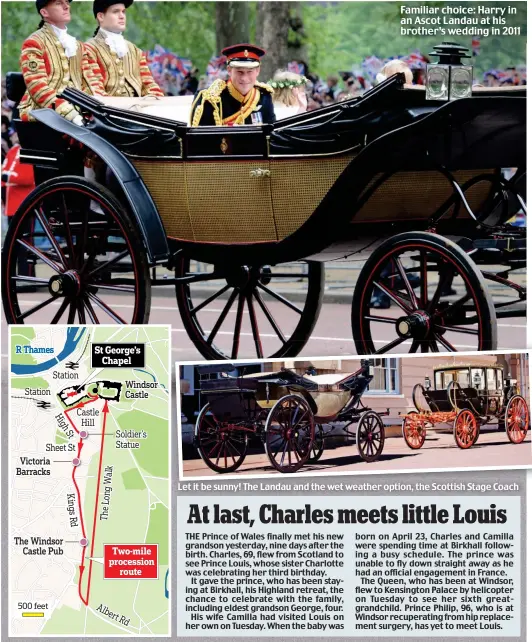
pixel 427 383
pixel 477 380
pixel 449 78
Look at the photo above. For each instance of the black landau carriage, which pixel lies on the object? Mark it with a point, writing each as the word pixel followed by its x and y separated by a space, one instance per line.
pixel 286 411
pixel 245 217
pixel 467 397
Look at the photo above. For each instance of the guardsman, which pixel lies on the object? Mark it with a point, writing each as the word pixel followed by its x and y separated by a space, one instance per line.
pixel 51 61
pixel 239 101
pixel 120 66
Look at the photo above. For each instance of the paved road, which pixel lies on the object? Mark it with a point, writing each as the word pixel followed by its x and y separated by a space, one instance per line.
pixel 332 334
pixel 438 452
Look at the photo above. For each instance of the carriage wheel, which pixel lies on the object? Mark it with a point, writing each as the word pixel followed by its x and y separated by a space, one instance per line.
pixel 414 431
pixel 242 311
pixel 414 272
pixel 66 262
pixel 221 446
pixel 517 419
pixel 370 436
pixel 289 434
pixel 466 429
pixel 318 446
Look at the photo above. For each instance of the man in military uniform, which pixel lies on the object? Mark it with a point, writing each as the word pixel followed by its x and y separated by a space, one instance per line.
pixel 51 61
pixel 119 65
pixel 239 101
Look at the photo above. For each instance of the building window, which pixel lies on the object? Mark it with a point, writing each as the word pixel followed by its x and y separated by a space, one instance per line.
pixel 385 376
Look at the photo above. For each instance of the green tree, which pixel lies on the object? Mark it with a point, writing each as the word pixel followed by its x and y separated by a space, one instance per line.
pixel 336 35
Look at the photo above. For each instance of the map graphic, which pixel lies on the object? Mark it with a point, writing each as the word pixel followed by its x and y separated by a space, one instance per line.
pixel 89 481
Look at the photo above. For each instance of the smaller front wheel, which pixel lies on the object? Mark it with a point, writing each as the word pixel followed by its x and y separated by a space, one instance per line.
pixel 370 436
pixel 414 430
pixel 517 419
pixel 222 446
pixel 466 429
pixel 289 434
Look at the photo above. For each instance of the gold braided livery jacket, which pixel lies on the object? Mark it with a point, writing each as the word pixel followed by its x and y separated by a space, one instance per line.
pixel 127 76
pixel 48 71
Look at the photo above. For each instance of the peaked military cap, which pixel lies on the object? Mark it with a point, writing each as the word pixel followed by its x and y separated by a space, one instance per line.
pixel 243 55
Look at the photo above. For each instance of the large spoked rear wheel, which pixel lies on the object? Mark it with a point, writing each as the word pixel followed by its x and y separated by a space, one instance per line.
pixel 222 447
pixel 517 419
pixel 245 311
pixel 431 295
pixel 466 429
pixel 370 436
pixel 414 430
pixel 289 434
pixel 73 253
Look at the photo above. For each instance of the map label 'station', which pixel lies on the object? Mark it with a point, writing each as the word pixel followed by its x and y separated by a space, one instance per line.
pixel 118 355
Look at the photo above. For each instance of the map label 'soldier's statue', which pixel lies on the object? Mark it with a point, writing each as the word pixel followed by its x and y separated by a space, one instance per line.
pixel 239 101
pixel 51 61
pixel 119 65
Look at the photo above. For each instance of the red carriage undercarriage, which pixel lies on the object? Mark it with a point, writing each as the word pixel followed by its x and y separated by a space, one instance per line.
pixel 466 397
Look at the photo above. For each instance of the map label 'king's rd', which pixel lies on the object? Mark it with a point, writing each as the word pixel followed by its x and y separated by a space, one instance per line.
pixel 89 473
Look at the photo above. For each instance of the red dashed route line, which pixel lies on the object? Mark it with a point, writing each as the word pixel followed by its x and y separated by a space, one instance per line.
pixel 105 411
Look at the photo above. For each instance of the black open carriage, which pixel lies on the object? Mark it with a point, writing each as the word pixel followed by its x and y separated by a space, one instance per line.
pixel 239 220
pixel 467 397
pixel 285 411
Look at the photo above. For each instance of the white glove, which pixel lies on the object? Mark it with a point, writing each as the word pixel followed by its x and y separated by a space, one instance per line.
pixel 78 120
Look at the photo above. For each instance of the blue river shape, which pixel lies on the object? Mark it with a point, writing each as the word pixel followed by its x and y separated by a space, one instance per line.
pixel 150 374
pixel 73 337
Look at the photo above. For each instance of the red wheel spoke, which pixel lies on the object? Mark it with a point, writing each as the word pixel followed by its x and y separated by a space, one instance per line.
pixel 372 317
pixel 117 288
pixel 456 328
pixel 281 299
pixel 41 255
pixel 81 311
pixel 238 326
pixel 254 327
pixel 68 231
pixel 209 300
pixel 72 312
pixel 38 307
pixel 444 342
pixel 269 316
pixel 222 316
pixel 410 291
pixel 423 274
pixel 395 297
pixel 60 312
pixel 91 312
pixel 31 279
pixel 51 237
pixel 391 345
pixel 107 264
pixel 101 304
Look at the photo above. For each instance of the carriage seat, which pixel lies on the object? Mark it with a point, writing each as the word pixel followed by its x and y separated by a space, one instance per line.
pixel 439 400
pixel 327 382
